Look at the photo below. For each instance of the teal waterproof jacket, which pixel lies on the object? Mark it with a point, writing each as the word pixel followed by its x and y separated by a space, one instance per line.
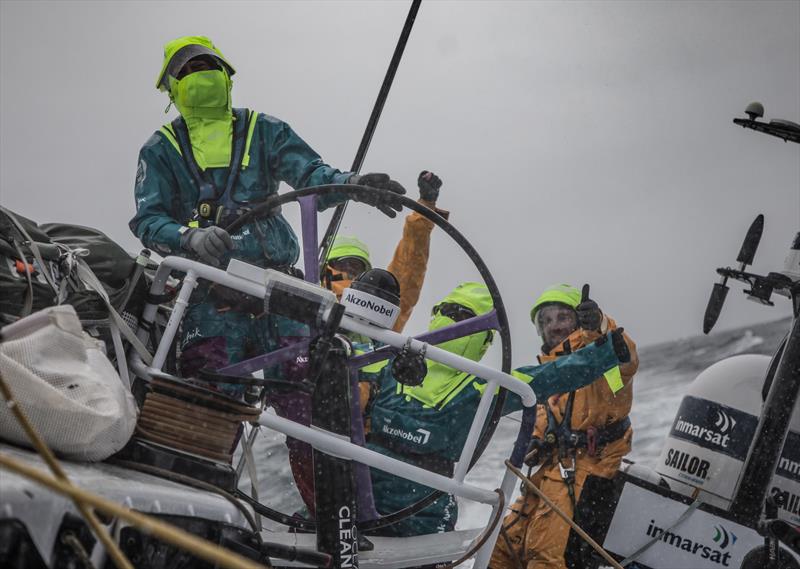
pixel 405 424
pixel 433 436
pixel 166 195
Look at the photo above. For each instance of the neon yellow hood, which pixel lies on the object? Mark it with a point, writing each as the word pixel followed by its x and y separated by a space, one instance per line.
pixel 560 293
pixel 442 383
pixel 178 51
pixel 344 246
pixel 472 295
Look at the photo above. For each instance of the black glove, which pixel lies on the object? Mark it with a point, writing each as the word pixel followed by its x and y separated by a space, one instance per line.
pixel 429 184
pixel 537 450
pixel 208 243
pixel 382 182
pixel 589 314
pixel 620 346
pixel 618 342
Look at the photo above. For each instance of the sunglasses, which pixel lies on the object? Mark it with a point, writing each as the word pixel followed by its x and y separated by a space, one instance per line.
pixel 458 313
pixel 352 266
pixel 200 63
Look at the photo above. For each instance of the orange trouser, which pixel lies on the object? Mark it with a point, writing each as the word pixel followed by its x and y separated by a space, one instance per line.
pixel 536 534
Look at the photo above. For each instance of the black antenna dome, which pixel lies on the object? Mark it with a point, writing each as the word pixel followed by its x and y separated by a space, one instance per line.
pixel 380 283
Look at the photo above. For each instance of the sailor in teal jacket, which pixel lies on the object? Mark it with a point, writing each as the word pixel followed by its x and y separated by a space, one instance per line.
pixel 201 172
pixel 427 425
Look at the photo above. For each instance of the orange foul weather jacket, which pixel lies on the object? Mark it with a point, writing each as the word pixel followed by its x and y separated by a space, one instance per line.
pixel 536 535
pixel 410 261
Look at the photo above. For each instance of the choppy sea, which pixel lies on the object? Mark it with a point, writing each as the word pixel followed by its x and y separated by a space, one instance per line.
pixel 664 373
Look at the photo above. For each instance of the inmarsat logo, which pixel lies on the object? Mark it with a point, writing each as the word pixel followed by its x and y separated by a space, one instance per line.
pixel 725 423
pixel 689 544
pixel 719 436
pixel 723 537
pixel 714 426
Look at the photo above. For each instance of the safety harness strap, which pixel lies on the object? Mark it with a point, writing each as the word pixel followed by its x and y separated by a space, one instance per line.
pixel 209 195
pixel 185 144
pixel 591 439
pixel 609 434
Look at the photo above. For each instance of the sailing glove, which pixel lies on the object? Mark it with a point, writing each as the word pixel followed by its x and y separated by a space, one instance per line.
pixel 429 184
pixel 208 243
pixel 589 314
pixel 619 344
pixel 382 201
pixel 537 450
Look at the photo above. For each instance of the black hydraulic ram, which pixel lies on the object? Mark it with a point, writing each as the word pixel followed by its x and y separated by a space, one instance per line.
pixel 334 489
pixel 329 380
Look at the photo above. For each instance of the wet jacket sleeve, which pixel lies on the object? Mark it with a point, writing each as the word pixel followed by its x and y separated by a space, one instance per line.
pixel 293 161
pixel 566 373
pixel 154 193
pixel 410 263
pixel 628 369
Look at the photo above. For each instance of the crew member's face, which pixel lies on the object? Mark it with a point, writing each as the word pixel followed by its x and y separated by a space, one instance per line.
pixel 339 274
pixel 349 266
pixel 199 63
pixel 555 323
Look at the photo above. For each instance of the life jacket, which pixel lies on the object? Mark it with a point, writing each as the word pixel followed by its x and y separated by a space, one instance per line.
pixel 215 206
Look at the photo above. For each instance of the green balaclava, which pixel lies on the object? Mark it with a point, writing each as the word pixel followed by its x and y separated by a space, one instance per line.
pixel 203 98
pixel 442 382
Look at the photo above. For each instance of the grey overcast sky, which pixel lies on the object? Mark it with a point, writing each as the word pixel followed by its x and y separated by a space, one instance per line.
pixel 578 141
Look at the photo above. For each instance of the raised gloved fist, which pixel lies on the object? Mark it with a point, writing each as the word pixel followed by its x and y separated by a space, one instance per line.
pixel 381 182
pixel 208 243
pixel 429 184
pixel 589 314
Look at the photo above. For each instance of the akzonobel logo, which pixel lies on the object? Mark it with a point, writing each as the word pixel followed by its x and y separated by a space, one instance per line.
pixel 376 307
pixel 420 436
pixel 371 308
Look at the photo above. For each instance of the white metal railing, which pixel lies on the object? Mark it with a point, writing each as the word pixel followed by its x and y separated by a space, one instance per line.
pixel 254 283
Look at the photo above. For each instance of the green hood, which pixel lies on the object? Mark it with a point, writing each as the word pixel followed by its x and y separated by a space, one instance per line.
pixel 204 101
pixel 202 98
pixel 561 294
pixel 442 382
pixel 178 51
pixel 344 246
pixel 472 295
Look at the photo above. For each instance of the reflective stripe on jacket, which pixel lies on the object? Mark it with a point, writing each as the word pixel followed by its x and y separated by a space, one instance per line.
pixel 595 405
pixel 166 195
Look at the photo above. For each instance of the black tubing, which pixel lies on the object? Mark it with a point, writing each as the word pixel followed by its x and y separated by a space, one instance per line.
pixel 372 124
